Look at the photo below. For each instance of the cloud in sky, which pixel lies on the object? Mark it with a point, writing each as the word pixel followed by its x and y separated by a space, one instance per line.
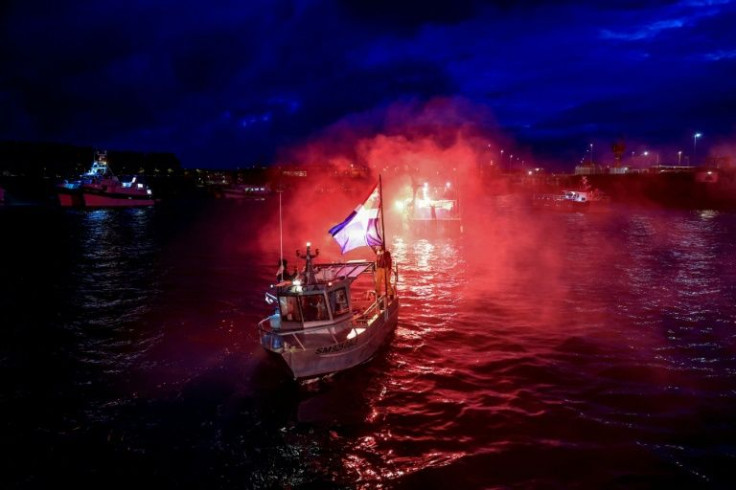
pixel 231 83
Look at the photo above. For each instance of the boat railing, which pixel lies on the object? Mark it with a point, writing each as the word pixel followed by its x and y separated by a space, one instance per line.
pixel 364 316
pixel 278 339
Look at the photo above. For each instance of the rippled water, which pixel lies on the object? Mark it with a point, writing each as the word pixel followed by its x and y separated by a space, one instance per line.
pixel 532 351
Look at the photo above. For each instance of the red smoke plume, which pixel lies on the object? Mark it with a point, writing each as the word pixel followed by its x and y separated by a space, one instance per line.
pixel 443 140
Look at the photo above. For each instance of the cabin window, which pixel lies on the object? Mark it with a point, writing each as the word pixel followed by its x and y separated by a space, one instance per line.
pixel 314 308
pixel 339 301
pixel 289 310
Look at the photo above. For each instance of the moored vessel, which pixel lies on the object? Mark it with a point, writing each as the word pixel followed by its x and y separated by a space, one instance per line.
pixel 432 209
pixel 100 187
pixel 585 199
pixel 244 191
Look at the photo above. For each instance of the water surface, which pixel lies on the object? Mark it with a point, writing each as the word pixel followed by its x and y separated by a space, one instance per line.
pixel 533 351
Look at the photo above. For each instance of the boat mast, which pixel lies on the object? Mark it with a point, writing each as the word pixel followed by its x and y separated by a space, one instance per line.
pixel 383 235
pixel 309 268
pixel 281 235
pixel 380 206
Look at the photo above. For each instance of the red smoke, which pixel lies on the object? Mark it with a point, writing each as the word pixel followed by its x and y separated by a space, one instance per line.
pixel 442 140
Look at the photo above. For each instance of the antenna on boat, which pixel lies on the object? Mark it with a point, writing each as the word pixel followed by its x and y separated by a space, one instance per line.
pixel 281 231
pixel 383 235
pixel 309 268
pixel 380 206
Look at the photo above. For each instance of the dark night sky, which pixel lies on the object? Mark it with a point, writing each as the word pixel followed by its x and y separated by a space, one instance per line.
pixel 231 83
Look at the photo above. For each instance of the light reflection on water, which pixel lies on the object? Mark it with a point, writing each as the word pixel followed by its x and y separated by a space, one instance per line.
pixel 608 368
pixel 532 351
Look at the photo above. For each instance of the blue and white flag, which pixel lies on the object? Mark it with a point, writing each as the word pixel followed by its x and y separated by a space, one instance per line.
pixel 361 228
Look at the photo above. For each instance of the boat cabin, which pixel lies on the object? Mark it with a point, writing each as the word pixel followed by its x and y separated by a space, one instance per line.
pixel 326 300
pixel 99 166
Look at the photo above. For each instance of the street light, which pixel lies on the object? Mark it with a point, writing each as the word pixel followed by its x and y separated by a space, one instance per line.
pixel 695 142
pixel 679 157
pixel 591 153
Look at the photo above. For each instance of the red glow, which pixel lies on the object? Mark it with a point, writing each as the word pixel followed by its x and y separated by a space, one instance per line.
pixel 442 141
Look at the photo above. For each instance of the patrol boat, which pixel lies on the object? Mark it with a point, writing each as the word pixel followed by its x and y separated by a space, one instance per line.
pixel 335 316
pixel 99 187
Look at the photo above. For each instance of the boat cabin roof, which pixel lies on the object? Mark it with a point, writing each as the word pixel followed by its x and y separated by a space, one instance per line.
pixel 327 276
pixel 348 270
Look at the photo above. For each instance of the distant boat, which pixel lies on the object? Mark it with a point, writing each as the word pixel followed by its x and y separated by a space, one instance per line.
pixel 99 187
pixel 335 316
pixel 244 191
pixel 585 199
pixel 432 209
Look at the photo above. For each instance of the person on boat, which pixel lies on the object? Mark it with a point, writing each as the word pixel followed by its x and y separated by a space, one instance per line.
pixel 383 271
pixel 289 310
pixel 273 339
pixel 283 273
pixel 321 309
pixel 341 302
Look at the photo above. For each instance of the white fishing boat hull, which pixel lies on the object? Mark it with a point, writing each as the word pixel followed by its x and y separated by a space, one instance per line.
pixel 330 358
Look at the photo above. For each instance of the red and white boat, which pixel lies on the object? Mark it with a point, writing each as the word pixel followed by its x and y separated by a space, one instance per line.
pixel 99 187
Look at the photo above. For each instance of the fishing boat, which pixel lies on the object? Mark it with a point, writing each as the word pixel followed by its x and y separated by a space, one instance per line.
pixel 335 316
pixel 432 209
pixel 100 187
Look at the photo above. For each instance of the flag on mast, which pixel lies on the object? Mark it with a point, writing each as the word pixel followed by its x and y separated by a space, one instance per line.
pixel 361 228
